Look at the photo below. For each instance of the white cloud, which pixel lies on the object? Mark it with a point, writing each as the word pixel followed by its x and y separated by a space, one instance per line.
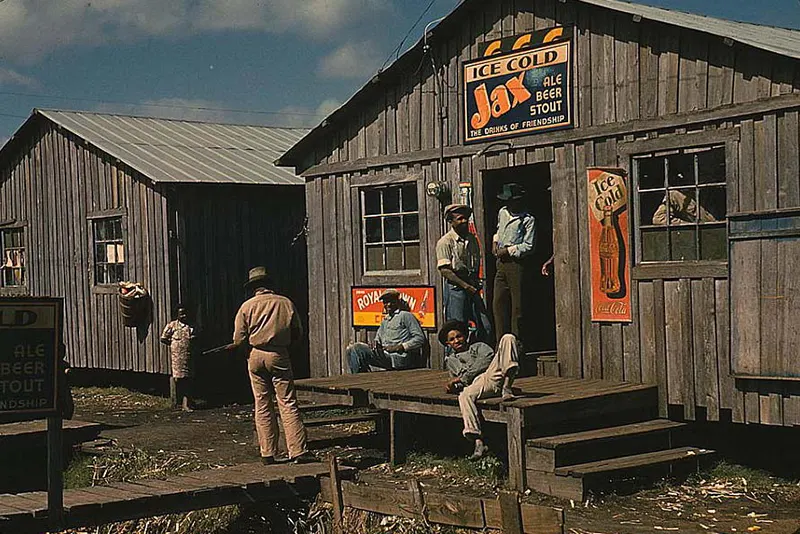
pixel 30 29
pixel 12 77
pixel 352 60
pixel 302 117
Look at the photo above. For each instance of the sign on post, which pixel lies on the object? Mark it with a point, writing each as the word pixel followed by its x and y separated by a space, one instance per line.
pixel 30 337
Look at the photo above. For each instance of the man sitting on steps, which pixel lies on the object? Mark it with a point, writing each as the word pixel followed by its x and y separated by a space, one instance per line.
pixel 478 373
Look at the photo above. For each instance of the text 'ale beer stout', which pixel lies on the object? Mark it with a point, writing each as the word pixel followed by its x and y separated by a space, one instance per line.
pixel 609 254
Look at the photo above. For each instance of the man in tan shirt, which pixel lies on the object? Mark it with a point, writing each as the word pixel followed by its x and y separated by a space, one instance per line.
pixel 268 325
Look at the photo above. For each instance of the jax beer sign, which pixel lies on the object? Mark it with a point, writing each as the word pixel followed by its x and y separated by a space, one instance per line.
pixel 518 93
pixel 30 338
pixel 608 243
pixel 368 308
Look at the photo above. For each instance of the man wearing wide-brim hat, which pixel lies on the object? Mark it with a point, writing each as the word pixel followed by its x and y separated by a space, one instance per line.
pixel 458 259
pixel 514 241
pixel 268 325
pixel 398 341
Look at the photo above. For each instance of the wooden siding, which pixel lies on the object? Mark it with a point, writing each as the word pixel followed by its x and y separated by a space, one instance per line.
pixel 633 83
pixel 220 233
pixel 55 183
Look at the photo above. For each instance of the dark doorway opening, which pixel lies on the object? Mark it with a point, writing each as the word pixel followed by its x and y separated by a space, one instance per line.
pixel 539 328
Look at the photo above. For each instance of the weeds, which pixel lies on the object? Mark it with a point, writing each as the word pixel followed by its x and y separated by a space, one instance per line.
pixel 489 468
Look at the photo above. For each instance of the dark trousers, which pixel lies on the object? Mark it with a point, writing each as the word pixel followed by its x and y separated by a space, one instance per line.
pixel 461 305
pixel 507 298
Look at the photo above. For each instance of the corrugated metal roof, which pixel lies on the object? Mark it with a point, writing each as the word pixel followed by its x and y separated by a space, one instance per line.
pixel 177 151
pixel 781 41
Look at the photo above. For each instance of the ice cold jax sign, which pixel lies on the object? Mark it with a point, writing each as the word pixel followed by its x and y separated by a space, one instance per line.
pixel 28 358
pixel 518 93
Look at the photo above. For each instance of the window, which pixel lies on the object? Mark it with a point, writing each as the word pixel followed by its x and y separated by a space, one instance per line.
pixel 390 228
pixel 109 251
pixel 681 205
pixel 13 249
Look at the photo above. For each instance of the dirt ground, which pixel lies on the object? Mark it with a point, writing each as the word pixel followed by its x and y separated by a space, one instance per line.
pixel 719 502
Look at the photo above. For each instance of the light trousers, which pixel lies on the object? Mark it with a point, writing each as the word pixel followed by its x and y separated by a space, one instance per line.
pixel 271 379
pixel 489 383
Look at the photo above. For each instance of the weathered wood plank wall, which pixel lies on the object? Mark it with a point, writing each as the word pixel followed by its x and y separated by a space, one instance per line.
pixel 630 73
pixel 54 187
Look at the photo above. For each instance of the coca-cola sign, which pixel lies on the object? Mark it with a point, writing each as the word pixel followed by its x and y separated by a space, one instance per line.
pixel 608 243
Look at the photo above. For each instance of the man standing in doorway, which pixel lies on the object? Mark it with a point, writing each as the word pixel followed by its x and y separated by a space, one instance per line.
pixel 398 342
pixel 458 258
pixel 513 242
pixel 268 325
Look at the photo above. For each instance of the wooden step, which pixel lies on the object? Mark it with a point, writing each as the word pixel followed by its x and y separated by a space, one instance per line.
pixel 549 453
pixel 574 481
pixel 343 419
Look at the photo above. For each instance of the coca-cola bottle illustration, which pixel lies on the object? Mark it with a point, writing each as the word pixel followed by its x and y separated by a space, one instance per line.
pixel 609 254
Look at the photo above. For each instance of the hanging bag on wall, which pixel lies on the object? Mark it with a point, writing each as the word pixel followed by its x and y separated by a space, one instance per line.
pixel 133 300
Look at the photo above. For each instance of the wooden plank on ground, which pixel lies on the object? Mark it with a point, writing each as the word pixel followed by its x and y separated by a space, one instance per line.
pixel 536 519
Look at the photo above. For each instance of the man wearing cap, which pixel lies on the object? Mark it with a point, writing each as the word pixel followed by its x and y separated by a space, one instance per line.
pixel 268 325
pixel 398 341
pixel 458 258
pixel 478 373
pixel 513 242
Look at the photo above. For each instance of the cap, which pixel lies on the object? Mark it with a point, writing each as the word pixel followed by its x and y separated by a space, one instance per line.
pixel 511 191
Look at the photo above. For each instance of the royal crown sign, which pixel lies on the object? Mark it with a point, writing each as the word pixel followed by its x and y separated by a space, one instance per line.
pixel 368 307
pixel 518 93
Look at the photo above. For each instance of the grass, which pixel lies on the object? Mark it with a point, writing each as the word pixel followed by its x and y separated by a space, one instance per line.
pixel 118 398
pixel 754 480
pixel 489 468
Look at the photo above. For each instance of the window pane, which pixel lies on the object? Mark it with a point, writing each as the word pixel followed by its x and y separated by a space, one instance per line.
pixel 711 166
pixel 714 204
pixel 117 228
pixel 394 257
pixel 651 173
pixel 713 242
pixel 117 270
pixel 683 243
pixel 101 231
pixel 681 169
pixel 391 200
pixel 391 228
pixel 410 197
pixel 373 229
pixel 412 256
pixel 654 244
pixel 100 274
pixel 682 206
pixel 375 258
pixel 652 208
pixel 410 227
pixel 372 202
pixel 100 253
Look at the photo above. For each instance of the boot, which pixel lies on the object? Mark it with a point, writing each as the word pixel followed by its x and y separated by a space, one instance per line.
pixel 480 450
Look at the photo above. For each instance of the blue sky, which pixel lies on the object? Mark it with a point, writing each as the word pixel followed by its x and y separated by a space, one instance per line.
pixel 289 61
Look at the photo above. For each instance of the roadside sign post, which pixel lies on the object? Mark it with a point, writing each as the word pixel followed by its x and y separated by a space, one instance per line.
pixel 30 379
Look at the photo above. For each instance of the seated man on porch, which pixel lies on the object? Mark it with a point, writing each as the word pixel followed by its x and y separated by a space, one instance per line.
pixel 398 343
pixel 478 373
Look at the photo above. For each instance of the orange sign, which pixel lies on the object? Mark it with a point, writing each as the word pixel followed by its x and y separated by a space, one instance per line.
pixel 608 244
pixel 368 308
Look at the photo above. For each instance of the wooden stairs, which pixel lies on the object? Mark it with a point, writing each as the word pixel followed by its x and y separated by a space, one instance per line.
pixel 610 458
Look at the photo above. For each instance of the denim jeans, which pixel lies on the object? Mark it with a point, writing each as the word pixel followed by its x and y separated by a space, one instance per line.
pixel 461 305
pixel 361 358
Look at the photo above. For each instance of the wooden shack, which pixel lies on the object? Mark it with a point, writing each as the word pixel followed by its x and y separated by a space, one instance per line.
pixel 184 208
pixel 668 101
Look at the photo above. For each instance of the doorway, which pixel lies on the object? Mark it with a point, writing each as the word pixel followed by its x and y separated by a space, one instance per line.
pixel 539 328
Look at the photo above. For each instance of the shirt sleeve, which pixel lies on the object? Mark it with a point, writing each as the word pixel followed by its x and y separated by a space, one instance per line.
pixel 417 335
pixel 240 328
pixel 528 242
pixel 444 252
pixel 482 355
pixel 500 224
pixel 454 365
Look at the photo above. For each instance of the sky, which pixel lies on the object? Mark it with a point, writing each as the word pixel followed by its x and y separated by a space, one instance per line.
pixel 266 62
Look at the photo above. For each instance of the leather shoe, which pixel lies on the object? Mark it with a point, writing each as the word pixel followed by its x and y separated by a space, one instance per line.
pixel 267 460
pixel 305 458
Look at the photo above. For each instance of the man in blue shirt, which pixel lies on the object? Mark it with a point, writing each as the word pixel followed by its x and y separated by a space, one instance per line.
pixel 478 373
pixel 513 243
pixel 398 342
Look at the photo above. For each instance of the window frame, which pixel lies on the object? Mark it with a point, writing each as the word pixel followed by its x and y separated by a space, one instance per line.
pixel 361 191
pixel 24 288
pixel 94 220
pixel 728 139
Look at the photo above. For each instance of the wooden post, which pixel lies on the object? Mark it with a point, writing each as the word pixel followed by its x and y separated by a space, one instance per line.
pixel 515 431
pixel 55 472
pixel 397 438
pixel 510 513
pixel 418 498
pixel 336 497
pixel 173 392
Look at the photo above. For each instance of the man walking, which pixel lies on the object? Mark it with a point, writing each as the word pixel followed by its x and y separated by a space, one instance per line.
pixel 268 324
pixel 478 373
pixel 514 241
pixel 398 342
pixel 458 258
